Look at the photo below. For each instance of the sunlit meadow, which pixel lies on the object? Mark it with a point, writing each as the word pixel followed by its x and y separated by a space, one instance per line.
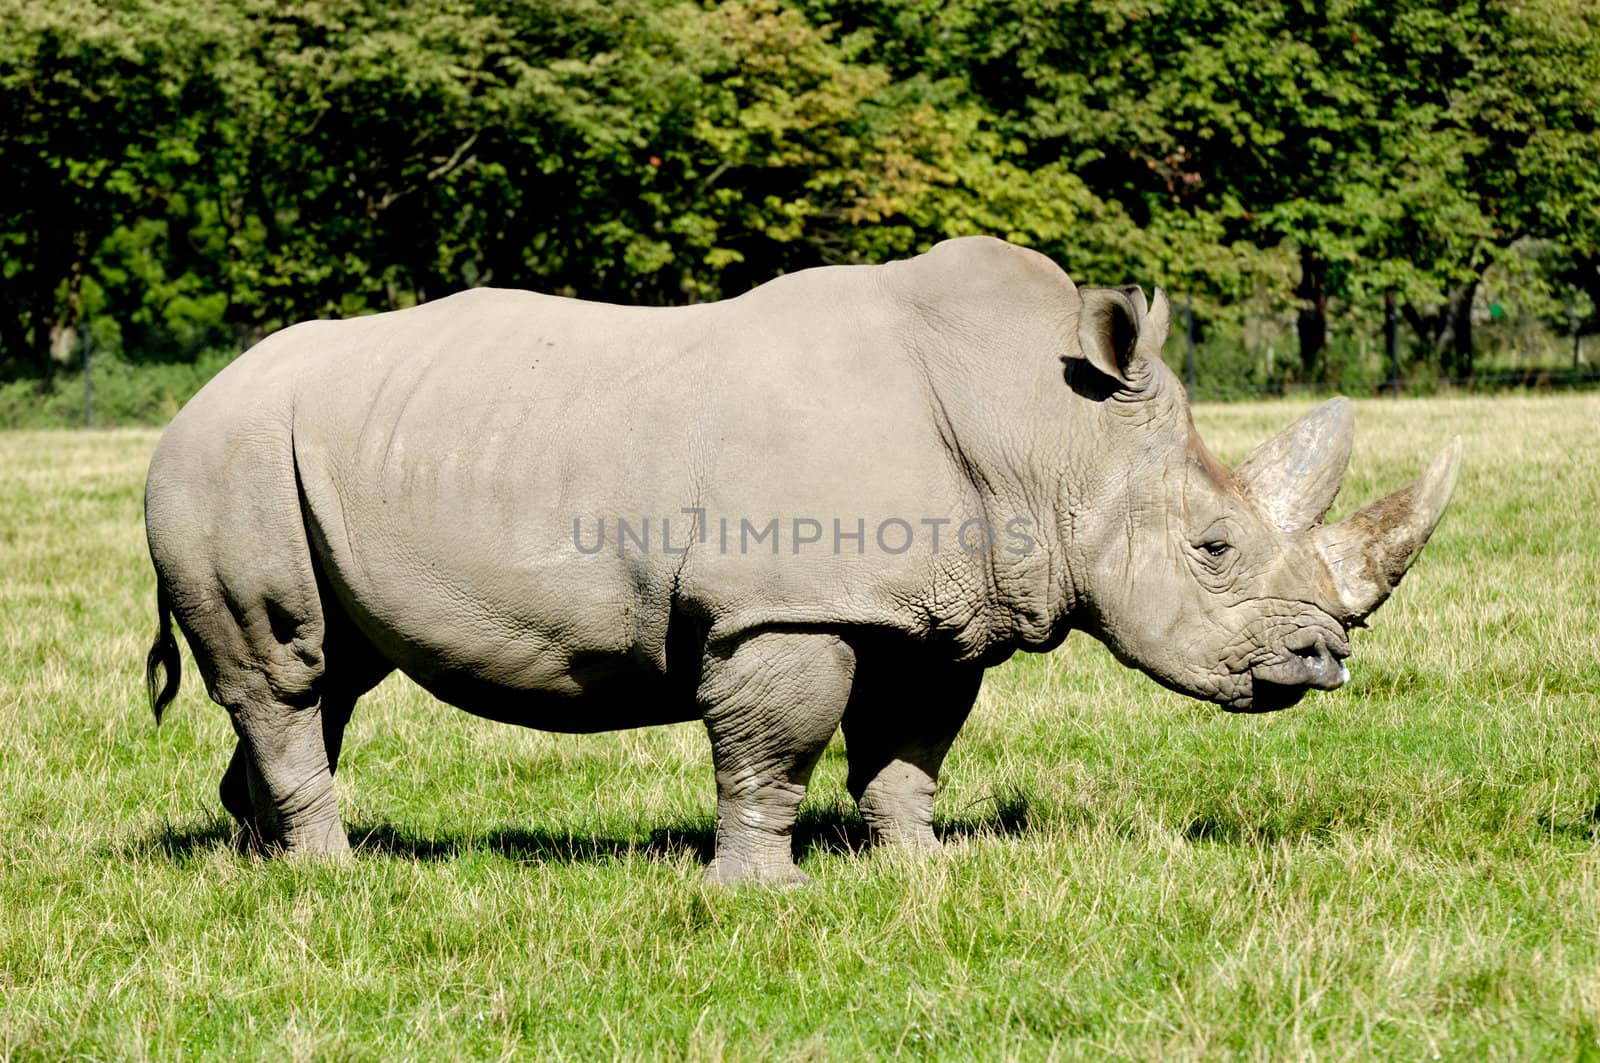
pixel 1405 867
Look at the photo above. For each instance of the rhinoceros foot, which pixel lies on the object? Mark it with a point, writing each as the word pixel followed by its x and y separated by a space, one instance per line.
pixel 731 871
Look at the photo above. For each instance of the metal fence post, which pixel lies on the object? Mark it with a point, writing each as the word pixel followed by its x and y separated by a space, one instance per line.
pixel 1391 327
pixel 1577 337
pixel 88 382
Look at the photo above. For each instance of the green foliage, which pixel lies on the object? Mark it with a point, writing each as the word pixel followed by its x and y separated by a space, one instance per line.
pixel 198 174
pixel 121 393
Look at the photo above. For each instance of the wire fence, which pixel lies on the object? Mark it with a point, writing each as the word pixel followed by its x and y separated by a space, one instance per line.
pixel 1395 381
pixel 1527 379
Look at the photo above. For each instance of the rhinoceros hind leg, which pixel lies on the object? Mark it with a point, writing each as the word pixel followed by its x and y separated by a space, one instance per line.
pixel 333 710
pixel 292 808
pixel 902 719
pixel 261 649
pixel 289 667
pixel 235 793
pixel 227 528
pixel 771 703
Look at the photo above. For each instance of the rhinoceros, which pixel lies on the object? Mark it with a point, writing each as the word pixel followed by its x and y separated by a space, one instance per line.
pixel 833 501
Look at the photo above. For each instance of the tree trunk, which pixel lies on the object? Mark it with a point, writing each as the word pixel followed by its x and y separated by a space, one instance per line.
pixel 1452 337
pixel 66 316
pixel 1461 327
pixel 40 318
pixel 1313 322
pixel 1587 276
pixel 1446 331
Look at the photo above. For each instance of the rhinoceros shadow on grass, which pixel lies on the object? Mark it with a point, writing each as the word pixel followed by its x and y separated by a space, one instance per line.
pixel 580 517
pixel 828 829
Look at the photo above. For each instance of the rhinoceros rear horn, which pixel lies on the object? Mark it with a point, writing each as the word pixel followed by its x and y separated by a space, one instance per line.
pixel 1369 551
pixel 1116 329
pixel 1295 476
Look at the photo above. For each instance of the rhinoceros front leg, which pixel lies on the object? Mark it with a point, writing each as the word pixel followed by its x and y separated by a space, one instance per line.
pixel 771 703
pixel 902 719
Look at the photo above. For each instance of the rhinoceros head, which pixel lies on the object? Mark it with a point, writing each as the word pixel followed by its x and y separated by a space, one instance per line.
pixel 1221 583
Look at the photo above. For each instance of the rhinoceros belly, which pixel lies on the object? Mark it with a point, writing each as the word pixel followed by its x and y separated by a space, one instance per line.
pixel 487 603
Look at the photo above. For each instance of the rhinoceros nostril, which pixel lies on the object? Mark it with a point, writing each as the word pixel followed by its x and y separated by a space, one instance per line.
pixel 1317 656
pixel 1307 642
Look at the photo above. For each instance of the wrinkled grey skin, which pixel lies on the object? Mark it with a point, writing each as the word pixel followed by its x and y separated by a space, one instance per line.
pixel 399 491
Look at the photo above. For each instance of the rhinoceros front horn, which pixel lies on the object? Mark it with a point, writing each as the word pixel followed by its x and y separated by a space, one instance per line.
pixel 1370 550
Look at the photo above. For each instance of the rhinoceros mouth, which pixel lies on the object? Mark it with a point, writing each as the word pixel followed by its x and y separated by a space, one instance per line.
pixel 1267 696
pixel 1278 684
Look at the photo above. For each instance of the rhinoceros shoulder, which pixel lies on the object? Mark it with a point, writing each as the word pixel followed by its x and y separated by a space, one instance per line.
pixel 988 286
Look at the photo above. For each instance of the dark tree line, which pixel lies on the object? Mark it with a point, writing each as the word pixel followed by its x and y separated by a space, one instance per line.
pixel 185 174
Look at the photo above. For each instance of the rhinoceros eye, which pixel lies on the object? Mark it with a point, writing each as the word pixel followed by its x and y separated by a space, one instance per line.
pixel 1217 549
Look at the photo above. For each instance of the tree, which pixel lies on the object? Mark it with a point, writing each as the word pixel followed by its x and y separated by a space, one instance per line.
pixel 209 172
pixel 86 97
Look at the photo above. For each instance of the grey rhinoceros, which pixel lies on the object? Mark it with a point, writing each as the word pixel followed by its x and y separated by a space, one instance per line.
pixel 834 500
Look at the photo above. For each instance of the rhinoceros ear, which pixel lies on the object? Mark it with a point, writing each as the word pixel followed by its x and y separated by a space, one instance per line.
pixel 1117 330
pixel 1154 327
pixel 1295 476
pixel 1108 330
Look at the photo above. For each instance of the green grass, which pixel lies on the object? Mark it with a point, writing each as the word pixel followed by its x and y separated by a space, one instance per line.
pixel 123 393
pixel 1408 866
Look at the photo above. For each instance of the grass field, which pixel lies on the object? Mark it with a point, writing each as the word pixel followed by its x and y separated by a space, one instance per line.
pixel 1408 866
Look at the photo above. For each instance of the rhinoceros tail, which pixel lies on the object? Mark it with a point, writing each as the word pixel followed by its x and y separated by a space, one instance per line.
pixel 163 657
